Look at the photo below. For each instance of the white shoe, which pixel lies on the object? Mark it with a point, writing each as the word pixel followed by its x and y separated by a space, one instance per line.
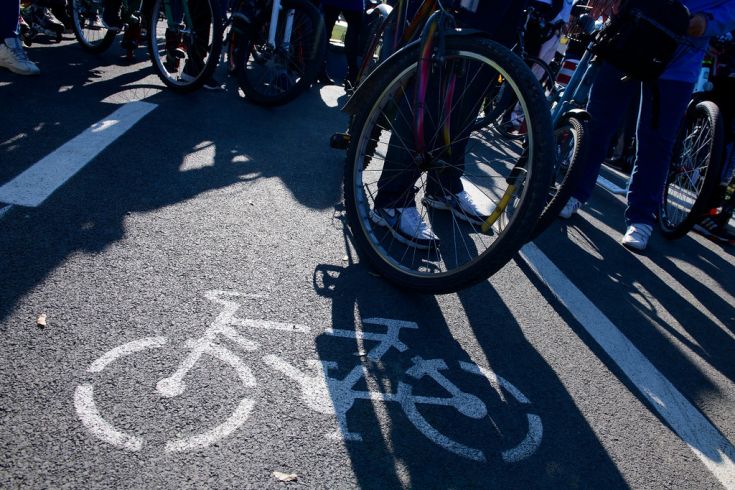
pixel 570 208
pixel 474 208
pixel 636 236
pixel 407 226
pixel 13 57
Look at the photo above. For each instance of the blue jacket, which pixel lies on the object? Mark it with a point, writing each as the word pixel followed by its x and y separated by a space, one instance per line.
pixel 688 62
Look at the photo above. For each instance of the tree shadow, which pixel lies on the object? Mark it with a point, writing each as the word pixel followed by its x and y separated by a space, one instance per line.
pixel 187 146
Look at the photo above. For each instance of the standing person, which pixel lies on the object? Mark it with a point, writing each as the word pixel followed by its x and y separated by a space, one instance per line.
pixel 395 201
pixel 12 55
pixel 663 103
pixel 352 11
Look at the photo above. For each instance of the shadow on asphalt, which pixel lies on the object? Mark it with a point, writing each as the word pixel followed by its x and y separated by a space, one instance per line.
pixel 647 304
pixel 170 156
pixel 428 445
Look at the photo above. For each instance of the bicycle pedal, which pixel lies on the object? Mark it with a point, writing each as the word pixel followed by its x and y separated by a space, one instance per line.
pixel 340 141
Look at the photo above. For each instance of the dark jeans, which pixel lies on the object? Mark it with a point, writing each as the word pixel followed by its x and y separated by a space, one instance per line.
pixel 9 13
pixel 396 186
pixel 655 136
pixel 352 37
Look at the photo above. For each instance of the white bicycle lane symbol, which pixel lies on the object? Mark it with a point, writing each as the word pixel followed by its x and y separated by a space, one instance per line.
pixel 319 391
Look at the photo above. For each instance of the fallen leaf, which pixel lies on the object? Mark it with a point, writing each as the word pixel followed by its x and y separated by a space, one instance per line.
pixel 345 258
pixel 285 476
pixel 41 321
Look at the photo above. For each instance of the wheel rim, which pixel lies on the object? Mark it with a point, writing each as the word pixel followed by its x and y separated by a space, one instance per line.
pixel 688 172
pixel 87 17
pixel 462 243
pixel 181 51
pixel 274 71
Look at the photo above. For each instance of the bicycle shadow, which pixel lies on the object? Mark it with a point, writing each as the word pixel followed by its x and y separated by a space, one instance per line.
pixel 658 301
pixel 399 448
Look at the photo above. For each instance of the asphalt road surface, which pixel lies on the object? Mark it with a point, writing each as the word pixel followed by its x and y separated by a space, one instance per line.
pixel 208 323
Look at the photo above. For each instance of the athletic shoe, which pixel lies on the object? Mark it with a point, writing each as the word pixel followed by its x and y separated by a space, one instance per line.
pixel 570 208
pixel 712 229
pixel 407 226
pixel 474 208
pixel 210 84
pixel 636 236
pixel 46 20
pixel 13 57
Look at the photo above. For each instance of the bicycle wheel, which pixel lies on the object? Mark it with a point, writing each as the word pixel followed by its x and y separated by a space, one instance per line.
pixel 694 171
pixel 381 157
pixel 273 75
pixel 571 148
pixel 184 41
pixel 89 30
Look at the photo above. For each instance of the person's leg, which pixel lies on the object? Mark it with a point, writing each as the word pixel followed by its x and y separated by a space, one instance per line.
pixel 330 15
pixel 12 55
pixel 609 96
pixel 9 13
pixel 352 43
pixel 656 135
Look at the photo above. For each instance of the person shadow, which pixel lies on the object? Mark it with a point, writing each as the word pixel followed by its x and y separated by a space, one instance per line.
pixel 457 398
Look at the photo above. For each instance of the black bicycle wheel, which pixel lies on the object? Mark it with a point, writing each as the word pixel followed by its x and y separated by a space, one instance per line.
pixel 274 75
pixel 571 150
pixel 184 41
pixel 510 190
pixel 87 24
pixel 694 171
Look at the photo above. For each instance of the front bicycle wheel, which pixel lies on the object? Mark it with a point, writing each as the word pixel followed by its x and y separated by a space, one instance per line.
pixel 384 171
pixel 272 74
pixel 88 27
pixel 184 41
pixel 694 171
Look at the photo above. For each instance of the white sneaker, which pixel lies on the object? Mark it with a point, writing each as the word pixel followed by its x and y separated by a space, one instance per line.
pixel 570 208
pixel 636 236
pixel 407 226
pixel 474 208
pixel 13 57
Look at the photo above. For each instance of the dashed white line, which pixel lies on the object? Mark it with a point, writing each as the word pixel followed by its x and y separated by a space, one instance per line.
pixel 39 181
pixel 703 438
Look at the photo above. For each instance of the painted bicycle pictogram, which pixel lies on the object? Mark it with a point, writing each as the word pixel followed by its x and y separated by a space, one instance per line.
pixel 320 391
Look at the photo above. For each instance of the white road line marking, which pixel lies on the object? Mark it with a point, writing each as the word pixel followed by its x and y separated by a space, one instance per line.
pixel 38 182
pixel 703 438
pixel 4 210
pixel 610 186
pixel 93 421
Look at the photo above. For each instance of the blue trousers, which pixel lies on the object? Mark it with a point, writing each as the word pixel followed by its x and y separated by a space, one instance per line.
pixel 9 12
pixel 656 134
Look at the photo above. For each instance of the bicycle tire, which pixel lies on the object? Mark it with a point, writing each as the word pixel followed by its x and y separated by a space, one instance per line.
pixel 566 170
pixel 703 163
pixel 184 56
pixel 86 20
pixel 290 70
pixel 523 195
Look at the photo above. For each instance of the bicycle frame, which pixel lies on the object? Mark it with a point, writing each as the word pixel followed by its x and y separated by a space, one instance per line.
pixel 272 31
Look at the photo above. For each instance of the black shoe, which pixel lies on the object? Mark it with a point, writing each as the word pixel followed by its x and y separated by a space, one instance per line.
pixel 324 77
pixel 213 84
pixel 712 229
pixel 46 20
